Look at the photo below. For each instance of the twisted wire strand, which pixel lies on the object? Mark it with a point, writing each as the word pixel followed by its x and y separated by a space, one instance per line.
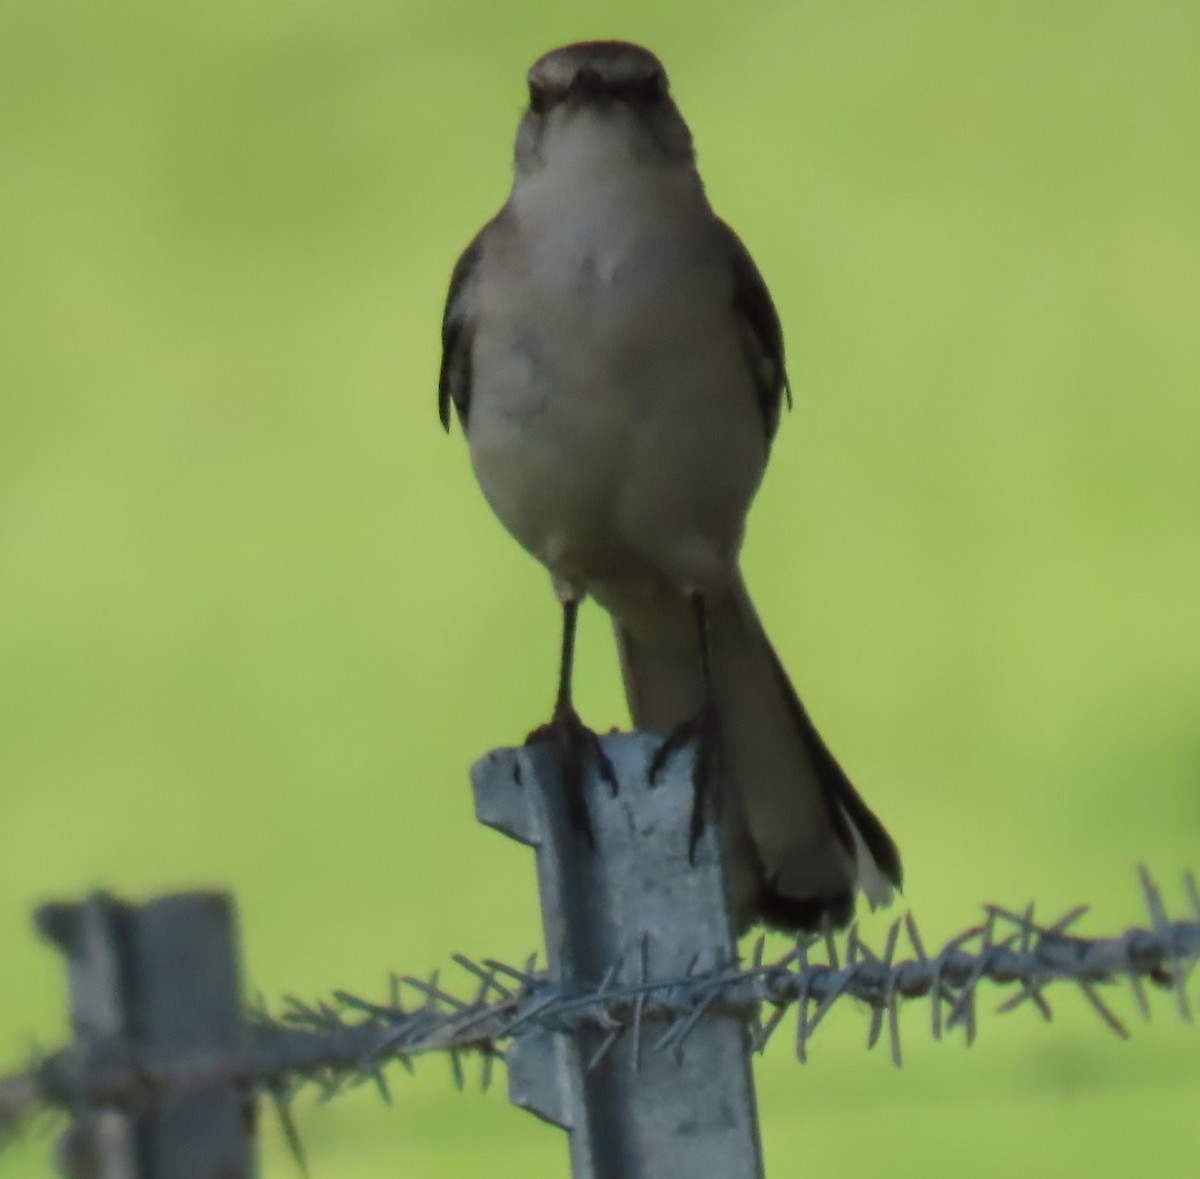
pixel 348 1041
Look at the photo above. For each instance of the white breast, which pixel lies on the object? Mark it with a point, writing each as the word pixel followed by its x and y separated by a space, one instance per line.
pixel 614 426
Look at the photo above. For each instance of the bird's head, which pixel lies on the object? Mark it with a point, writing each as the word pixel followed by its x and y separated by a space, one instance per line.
pixel 600 95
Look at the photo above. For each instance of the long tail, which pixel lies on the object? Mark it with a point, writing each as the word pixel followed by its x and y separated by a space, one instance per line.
pixel 799 838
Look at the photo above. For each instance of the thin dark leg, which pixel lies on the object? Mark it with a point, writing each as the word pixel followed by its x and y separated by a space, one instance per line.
pixel 570 736
pixel 700 606
pixel 704 730
pixel 566 666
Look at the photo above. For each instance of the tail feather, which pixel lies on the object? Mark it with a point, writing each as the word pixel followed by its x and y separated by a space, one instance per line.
pixel 799 838
pixel 876 854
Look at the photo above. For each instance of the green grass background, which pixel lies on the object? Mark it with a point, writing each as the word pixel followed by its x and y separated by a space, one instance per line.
pixel 256 620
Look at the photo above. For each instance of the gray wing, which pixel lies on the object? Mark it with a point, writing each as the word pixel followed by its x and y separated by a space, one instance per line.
pixel 454 380
pixel 762 332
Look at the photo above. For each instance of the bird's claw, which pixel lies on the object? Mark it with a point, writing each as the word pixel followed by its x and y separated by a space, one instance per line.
pixel 574 742
pixel 702 730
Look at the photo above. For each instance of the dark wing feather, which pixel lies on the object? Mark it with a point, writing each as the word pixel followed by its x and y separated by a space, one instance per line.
pixel 454 381
pixel 761 329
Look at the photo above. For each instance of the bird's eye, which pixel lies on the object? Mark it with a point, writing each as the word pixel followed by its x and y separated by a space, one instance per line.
pixel 652 89
pixel 537 98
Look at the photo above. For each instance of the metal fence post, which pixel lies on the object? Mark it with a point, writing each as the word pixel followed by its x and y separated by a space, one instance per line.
pixel 631 909
pixel 155 985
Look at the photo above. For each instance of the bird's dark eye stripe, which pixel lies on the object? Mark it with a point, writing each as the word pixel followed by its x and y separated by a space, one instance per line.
pixel 638 88
pixel 649 89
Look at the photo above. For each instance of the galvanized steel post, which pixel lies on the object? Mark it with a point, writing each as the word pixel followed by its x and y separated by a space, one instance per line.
pixel 154 986
pixel 641 1101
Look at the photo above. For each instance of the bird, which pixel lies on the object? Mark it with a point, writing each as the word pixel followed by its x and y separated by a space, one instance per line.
pixel 616 362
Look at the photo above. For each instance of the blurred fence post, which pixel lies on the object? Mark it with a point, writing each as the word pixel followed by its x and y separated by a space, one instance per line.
pixel 153 985
pixel 648 1101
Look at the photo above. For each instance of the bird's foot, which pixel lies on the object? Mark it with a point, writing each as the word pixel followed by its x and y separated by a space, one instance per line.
pixel 704 731
pixel 575 742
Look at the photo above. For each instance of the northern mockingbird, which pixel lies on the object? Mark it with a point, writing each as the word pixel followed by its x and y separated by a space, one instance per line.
pixel 616 361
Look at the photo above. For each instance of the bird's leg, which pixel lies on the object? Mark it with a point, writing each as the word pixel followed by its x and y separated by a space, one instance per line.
pixel 570 736
pixel 704 729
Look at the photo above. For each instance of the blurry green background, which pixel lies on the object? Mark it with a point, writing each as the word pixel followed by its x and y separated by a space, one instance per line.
pixel 256 620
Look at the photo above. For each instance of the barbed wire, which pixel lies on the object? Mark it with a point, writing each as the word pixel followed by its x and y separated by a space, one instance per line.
pixel 349 1040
